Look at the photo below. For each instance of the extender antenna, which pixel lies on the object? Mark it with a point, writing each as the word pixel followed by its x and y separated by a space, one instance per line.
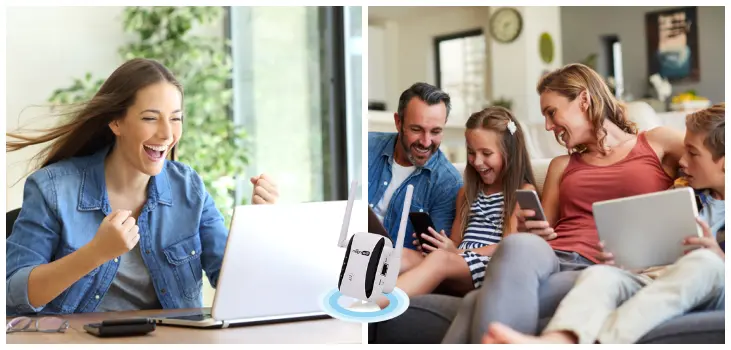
pixel 348 214
pixel 394 262
pixel 402 226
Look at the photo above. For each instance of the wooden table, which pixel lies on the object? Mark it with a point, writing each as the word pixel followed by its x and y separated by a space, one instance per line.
pixel 325 331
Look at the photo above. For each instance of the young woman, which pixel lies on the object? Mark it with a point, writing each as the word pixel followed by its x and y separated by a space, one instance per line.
pixel 606 154
pixel 107 222
pixel 498 165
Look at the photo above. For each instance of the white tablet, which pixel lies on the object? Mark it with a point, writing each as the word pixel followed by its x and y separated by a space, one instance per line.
pixel 647 230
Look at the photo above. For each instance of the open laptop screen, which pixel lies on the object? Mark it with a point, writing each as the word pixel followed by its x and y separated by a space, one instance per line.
pixel 375 225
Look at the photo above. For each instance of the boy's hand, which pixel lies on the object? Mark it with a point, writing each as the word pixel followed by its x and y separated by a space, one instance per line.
pixel 707 241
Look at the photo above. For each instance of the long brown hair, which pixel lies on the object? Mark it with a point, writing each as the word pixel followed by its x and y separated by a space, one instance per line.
pixel 516 171
pixel 87 131
pixel 570 80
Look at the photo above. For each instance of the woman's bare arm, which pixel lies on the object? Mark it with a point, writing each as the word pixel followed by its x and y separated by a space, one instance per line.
pixel 549 197
pixel 668 146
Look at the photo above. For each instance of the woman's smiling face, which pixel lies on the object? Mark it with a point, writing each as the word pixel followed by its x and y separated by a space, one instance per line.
pixel 152 126
pixel 566 119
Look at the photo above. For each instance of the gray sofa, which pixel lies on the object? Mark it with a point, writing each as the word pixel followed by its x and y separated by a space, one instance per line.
pixel 430 316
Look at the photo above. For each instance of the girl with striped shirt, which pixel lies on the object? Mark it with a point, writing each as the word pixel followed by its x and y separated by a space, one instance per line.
pixel 498 165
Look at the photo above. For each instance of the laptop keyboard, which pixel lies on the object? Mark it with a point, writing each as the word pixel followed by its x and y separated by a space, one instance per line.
pixel 194 317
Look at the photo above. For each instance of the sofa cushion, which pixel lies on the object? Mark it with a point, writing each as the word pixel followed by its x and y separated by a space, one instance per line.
pixel 430 316
pixel 706 327
pixel 642 114
pixel 424 322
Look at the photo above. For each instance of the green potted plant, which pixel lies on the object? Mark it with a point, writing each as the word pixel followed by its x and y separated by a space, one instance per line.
pixel 503 102
pixel 212 144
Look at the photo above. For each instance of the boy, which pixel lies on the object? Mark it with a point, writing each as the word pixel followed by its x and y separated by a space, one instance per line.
pixel 611 305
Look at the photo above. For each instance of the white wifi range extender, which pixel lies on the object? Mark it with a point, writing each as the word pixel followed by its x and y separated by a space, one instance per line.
pixel 372 263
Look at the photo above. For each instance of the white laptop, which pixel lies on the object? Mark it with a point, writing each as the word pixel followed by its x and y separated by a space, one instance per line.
pixel 647 230
pixel 280 260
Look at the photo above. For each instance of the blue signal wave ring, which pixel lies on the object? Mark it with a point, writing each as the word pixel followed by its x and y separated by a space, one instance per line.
pixel 398 303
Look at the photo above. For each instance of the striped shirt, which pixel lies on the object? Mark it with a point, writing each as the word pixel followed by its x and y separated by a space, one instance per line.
pixel 485 225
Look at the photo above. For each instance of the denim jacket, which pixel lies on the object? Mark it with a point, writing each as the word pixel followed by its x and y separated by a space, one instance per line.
pixel 435 187
pixel 182 234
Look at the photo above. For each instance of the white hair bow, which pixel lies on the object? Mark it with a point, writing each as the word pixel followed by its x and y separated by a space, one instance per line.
pixel 511 127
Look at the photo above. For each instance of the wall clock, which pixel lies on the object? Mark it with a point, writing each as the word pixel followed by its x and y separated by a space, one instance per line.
pixel 506 24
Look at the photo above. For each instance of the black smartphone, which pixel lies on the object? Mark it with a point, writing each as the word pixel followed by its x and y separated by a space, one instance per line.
pixel 421 222
pixel 121 328
pixel 528 199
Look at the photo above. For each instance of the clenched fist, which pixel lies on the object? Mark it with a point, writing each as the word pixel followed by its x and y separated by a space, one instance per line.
pixel 265 190
pixel 116 235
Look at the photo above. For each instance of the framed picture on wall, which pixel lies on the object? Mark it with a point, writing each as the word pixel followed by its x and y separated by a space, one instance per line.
pixel 672 44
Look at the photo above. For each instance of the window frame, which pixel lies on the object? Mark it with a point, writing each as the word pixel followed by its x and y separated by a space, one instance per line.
pixel 439 39
pixel 333 84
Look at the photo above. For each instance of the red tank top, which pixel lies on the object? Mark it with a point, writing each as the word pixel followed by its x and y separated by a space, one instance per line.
pixel 582 184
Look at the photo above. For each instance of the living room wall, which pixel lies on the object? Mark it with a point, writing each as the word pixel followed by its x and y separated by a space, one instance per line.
pixel 583 27
pixel 46 49
pixel 403 51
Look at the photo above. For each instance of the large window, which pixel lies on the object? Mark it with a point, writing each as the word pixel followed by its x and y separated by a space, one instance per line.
pixel 612 50
pixel 354 93
pixel 297 89
pixel 460 69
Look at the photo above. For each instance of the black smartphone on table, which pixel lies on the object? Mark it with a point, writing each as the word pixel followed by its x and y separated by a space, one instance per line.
pixel 121 328
pixel 421 222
